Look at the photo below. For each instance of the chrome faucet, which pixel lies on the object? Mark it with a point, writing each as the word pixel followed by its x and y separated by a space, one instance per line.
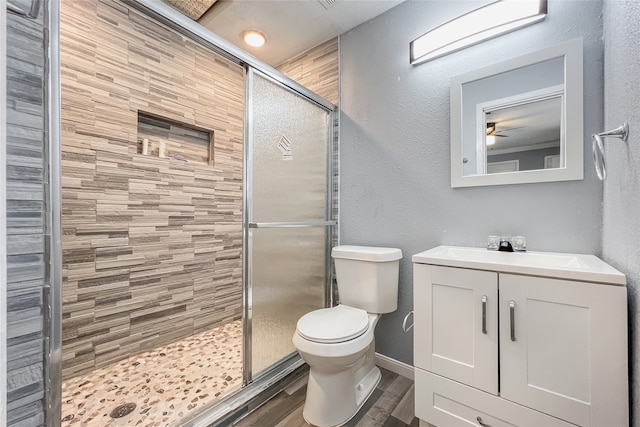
pixel 505 245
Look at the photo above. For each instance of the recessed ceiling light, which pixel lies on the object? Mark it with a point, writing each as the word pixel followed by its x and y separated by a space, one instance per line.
pixel 254 38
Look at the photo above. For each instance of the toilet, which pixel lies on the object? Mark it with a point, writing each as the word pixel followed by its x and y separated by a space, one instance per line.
pixel 337 343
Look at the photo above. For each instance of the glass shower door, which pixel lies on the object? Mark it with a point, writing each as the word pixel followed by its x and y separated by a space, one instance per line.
pixel 287 217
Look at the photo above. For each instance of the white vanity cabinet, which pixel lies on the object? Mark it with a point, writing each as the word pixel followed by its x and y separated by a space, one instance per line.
pixel 519 339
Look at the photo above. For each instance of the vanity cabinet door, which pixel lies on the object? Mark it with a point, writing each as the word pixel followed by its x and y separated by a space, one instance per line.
pixel 456 324
pixel 563 348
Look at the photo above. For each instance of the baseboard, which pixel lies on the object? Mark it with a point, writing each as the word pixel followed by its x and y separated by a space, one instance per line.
pixel 394 365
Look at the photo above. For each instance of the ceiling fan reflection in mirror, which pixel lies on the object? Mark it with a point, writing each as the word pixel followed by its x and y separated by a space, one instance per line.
pixel 493 132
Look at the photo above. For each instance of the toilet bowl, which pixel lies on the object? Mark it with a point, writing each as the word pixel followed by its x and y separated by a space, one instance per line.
pixel 343 373
pixel 338 343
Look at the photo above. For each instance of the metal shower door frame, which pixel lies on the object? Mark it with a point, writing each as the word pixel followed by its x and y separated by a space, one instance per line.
pixel 248 224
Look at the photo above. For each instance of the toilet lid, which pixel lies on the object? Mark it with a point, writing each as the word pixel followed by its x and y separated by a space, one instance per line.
pixel 333 325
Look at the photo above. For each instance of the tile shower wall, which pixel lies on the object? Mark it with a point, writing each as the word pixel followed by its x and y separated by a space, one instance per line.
pixel 26 106
pixel 151 246
pixel 316 69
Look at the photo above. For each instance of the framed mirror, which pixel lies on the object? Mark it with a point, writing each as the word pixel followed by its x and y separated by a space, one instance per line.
pixel 519 121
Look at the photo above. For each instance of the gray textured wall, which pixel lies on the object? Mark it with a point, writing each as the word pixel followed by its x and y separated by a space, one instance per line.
pixel 395 166
pixel 25 218
pixel 621 218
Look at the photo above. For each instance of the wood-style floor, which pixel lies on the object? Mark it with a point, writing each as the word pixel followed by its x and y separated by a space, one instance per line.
pixel 390 405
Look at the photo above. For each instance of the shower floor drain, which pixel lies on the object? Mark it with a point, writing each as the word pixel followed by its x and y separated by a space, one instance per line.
pixel 122 410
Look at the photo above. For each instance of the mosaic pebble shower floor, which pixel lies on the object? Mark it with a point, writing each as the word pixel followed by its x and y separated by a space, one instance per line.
pixel 165 385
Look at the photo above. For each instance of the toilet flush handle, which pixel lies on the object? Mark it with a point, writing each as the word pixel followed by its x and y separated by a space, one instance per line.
pixel 404 322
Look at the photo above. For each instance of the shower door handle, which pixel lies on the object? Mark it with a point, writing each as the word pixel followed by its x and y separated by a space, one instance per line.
pixel 291 224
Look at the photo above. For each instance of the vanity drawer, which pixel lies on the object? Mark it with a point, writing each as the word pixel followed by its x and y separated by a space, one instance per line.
pixel 445 403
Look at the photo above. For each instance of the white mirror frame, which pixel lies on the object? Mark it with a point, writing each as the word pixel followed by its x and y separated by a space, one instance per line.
pixel 573 119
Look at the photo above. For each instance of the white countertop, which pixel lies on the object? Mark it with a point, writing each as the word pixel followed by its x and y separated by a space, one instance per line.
pixel 548 264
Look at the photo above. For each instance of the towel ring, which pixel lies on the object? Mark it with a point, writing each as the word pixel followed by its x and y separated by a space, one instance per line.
pixel 405 327
pixel 599 160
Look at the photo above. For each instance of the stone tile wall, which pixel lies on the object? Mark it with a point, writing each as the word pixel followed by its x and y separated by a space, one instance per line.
pixel 26 228
pixel 151 246
pixel 317 69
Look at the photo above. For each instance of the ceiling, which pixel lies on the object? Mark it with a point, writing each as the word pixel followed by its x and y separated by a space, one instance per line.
pixel 291 26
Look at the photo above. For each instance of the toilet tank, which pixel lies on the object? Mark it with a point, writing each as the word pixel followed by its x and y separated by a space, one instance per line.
pixel 367 277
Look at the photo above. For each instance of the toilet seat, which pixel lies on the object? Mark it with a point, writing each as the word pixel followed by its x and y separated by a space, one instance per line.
pixel 333 325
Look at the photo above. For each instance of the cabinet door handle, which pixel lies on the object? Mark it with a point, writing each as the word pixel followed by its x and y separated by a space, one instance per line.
pixel 482 423
pixel 512 318
pixel 484 314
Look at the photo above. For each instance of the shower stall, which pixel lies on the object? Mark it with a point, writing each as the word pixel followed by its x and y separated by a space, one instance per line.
pixel 195 212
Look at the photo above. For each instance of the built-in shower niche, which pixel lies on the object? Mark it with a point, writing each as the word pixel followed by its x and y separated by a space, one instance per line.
pixel 165 138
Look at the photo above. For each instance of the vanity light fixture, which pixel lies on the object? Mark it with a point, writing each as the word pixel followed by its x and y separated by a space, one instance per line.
pixel 254 38
pixel 476 26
